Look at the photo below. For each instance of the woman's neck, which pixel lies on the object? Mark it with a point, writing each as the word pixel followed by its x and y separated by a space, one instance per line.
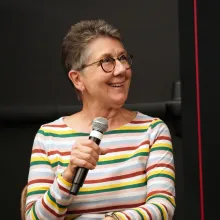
pixel 115 116
pixel 82 121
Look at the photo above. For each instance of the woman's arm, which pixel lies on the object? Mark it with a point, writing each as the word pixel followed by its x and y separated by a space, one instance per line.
pixel 47 195
pixel 160 201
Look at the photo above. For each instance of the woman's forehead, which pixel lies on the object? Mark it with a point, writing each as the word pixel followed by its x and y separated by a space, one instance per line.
pixel 105 46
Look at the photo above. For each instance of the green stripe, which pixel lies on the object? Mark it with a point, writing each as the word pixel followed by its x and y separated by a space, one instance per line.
pixel 155 124
pixel 113 189
pixel 161 196
pixel 39 162
pixel 59 163
pixel 35 215
pixel 142 217
pixel 28 211
pixel 99 163
pixel 78 134
pixel 161 175
pixel 161 148
pixel 48 163
pixel 161 212
pixel 52 198
pixel 36 192
pixel 126 131
pixel 123 159
pixel 75 134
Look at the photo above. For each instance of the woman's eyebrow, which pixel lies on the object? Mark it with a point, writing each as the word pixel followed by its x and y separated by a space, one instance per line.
pixel 105 55
pixel 111 55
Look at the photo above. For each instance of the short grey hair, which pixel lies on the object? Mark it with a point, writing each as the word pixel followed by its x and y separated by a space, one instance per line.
pixel 78 38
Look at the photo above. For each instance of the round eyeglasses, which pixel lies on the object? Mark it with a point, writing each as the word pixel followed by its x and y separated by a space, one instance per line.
pixel 108 63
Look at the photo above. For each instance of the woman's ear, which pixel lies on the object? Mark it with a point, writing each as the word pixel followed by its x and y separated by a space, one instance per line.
pixel 76 79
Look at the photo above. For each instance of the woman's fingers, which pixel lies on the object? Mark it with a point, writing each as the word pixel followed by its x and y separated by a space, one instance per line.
pixel 86 154
pixel 87 150
pixel 104 151
pixel 82 163
pixel 87 157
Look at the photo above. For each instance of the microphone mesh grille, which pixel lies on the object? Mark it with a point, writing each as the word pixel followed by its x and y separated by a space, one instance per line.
pixel 100 124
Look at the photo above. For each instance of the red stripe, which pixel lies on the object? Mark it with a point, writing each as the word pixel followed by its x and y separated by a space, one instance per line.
pixel 58 152
pixel 126 216
pixel 165 207
pixel 128 148
pixel 148 213
pixel 109 208
pixel 52 211
pixel 162 138
pixel 40 181
pixel 38 151
pixel 198 110
pixel 55 126
pixel 140 122
pixel 160 165
pixel 159 192
pixel 29 206
pixel 115 177
pixel 63 189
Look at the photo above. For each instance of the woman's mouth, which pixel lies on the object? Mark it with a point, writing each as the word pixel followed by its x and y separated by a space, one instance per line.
pixel 116 85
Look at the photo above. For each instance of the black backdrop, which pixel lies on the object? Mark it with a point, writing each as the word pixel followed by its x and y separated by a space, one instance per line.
pixel 31 35
pixel 33 85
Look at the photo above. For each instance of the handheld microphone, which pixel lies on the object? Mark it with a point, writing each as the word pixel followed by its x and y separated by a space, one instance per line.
pixel 99 126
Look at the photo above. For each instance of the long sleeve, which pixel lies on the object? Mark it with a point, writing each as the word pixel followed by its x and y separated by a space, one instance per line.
pixel 48 193
pixel 160 201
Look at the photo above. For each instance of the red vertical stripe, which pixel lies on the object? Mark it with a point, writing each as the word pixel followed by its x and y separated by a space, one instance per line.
pixel 198 110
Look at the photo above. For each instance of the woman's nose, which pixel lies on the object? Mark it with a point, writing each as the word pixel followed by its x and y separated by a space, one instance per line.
pixel 119 68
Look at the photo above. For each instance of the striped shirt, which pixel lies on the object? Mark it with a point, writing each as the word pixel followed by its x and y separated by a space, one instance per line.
pixel 135 179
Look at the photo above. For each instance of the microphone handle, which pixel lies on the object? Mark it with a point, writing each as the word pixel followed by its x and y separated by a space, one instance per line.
pixel 81 173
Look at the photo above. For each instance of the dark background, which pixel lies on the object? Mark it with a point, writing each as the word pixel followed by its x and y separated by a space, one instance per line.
pixel 160 34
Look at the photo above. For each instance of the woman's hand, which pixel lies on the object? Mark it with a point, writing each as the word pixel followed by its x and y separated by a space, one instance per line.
pixel 85 153
pixel 108 218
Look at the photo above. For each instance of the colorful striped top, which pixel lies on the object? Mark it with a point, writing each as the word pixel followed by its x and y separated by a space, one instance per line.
pixel 136 179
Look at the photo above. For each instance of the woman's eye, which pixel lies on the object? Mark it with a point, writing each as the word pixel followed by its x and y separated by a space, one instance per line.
pixel 123 57
pixel 107 60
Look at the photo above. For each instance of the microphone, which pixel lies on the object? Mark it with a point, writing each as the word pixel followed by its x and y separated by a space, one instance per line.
pixel 99 126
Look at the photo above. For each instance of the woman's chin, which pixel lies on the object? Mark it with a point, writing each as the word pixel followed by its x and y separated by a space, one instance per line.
pixel 117 102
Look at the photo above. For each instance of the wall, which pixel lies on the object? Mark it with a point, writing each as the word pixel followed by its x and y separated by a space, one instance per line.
pixel 33 80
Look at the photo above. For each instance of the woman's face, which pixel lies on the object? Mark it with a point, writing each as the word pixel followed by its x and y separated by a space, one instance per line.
pixel 108 89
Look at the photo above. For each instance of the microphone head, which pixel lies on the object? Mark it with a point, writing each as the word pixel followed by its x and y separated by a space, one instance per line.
pixel 100 124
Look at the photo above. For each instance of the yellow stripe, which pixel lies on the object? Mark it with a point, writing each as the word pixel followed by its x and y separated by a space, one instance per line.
pixel 33 159
pixel 73 131
pixel 55 205
pixel 86 189
pixel 32 214
pixel 64 182
pixel 163 210
pixel 57 131
pixel 120 215
pixel 161 171
pixel 141 211
pixel 56 159
pixel 132 127
pixel 162 145
pixel 101 158
pixel 32 189
pixel 171 199
pixel 123 156
pixel 155 121
pixel 72 217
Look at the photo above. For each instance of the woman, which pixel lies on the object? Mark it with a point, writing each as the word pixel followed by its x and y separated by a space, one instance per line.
pixel 131 173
